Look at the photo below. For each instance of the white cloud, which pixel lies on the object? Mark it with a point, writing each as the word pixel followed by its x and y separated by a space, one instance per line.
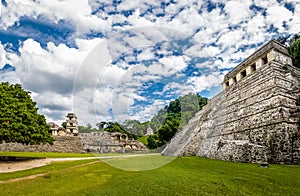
pixel 51 69
pixel 197 51
pixel 3 59
pixel 146 54
pixel 111 75
pixel 79 12
pixel 218 34
pixel 255 24
pixel 227 39
pixel 175 63
pixel 206 81
pixel 238 11
pixel 128 4
pixel 295 22
pixel 277 15
pixel 49 73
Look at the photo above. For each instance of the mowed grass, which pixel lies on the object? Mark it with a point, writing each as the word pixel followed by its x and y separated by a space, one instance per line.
pixel 54 154
pixel 183 176
pixel 44 154
pixel 53 167
pixel 139 162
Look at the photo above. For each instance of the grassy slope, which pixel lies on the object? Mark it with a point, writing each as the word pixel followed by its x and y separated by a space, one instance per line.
pixel 183 176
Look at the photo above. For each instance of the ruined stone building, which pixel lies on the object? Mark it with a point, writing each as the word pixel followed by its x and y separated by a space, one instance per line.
pixel 255 118
pixel 70 141
pixel 56 130
pixel 104 142
pixel 149 131
pixel 71 127
pixel 71 124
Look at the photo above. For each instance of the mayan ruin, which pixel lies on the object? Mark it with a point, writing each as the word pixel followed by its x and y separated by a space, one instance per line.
pixel 71 141
pixel 254 119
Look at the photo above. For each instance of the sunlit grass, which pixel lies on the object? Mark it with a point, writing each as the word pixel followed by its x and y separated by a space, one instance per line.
pixel 55 154
pixel 44 154
pixel 53 167
pixel 138 163
pixel 183 176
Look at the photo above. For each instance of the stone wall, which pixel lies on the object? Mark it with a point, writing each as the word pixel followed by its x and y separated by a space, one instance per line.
pixel 68 144
pixel 254 120
pixel 104 142
pixel 99 142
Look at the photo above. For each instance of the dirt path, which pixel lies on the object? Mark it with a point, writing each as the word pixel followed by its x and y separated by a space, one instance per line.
pixel 23 178
pixel 13 166
pixel 42 174
pixel 29 164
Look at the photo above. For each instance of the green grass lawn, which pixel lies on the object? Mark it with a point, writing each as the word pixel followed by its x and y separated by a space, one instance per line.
pixel 44 154
pixel 183 176
pixel 54 154
pixel 139 163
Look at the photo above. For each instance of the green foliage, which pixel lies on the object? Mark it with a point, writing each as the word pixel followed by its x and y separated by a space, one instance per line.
pixel 135 127
pixel 165 124
pixel 176 115
pixel 153 141
pixel 144 140
pixel 294 50
pixel 19 120
pixel 86 129
pixel 64 125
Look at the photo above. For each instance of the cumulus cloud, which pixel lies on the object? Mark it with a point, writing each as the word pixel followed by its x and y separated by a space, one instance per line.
pixel 204 82
pixel 49 73
pixel 142 42
pixel 175 63
pixel 277 16
pixel 295 22
pixel 79 12
pixel 238 11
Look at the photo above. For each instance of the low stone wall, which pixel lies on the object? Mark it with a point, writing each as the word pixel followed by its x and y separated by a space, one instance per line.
pixel 98 142
pixel 104 142
pixel 67 144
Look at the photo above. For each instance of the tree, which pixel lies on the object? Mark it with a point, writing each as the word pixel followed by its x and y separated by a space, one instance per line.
pixel 165 123
pixel 86 129
pixel 101 125
pixel 294 50
pixel 135 127
pixel 19 120
pixel 153 141
pixel 64 125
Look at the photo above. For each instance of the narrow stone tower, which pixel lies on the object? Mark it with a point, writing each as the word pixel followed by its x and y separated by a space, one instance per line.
pixel 72 124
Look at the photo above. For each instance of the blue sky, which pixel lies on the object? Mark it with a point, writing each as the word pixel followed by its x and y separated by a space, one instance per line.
pixel 126 59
